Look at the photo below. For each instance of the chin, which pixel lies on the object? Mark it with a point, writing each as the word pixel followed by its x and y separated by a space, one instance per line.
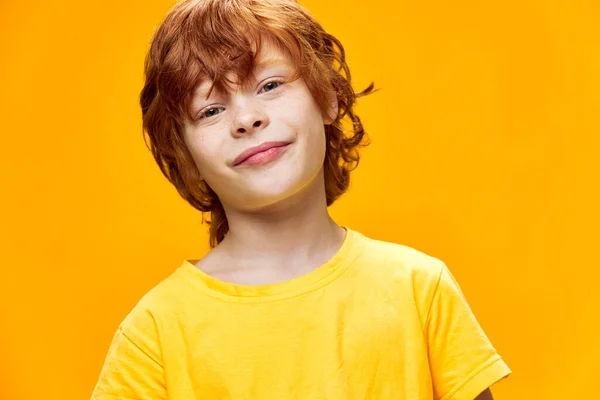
pixel 270 189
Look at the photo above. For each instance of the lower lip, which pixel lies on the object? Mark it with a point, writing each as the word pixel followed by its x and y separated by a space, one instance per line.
pixel 264 156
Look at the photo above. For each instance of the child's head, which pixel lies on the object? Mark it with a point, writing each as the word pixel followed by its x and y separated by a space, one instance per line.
pixel 226 75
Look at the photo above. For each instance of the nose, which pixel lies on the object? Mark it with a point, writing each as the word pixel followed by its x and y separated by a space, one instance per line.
pixel 246 127
pixel 249 119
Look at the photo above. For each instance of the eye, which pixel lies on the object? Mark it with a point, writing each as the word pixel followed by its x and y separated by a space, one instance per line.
pixel 272 85
pixel 210 112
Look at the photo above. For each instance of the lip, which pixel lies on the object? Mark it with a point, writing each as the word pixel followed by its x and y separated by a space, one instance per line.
pixel 257 149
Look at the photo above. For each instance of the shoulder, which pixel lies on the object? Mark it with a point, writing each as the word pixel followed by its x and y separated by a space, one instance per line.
pixel 154 306
pixel 401 261
pixel 410 275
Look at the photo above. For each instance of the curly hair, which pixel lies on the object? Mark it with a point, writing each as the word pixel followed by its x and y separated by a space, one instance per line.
pixel 201 39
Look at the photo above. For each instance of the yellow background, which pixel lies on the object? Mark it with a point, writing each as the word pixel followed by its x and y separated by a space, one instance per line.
pixel 484 153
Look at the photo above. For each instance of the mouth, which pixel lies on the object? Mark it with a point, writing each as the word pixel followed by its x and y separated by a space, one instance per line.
pixel 261 154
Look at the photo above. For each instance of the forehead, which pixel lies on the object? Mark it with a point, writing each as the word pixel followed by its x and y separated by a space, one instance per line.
pixel 269 51
pixel 269 56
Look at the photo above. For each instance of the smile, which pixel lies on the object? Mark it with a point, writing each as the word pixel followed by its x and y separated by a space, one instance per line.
pixel 265 156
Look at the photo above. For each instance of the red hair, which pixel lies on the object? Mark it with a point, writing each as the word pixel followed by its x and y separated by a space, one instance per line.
pixel 202 39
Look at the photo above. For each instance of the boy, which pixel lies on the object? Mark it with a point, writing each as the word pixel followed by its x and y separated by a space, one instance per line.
pixel 243 104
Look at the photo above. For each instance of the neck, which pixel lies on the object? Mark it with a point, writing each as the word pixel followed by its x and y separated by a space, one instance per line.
pixel 297 229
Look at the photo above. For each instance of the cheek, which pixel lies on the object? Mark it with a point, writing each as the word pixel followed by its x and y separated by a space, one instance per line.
pixel 298 108
pixel 204 153
pixel 305 119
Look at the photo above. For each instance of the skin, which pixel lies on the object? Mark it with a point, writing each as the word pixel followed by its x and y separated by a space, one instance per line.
pixel 279 225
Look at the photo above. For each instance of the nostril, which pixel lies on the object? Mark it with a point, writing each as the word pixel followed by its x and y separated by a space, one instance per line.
pixel 257 124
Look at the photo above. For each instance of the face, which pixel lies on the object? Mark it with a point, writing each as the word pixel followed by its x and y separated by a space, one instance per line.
pixel 270 108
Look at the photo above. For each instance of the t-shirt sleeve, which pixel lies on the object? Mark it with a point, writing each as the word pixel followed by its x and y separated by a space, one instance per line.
pixel 463 362
pixel 132 368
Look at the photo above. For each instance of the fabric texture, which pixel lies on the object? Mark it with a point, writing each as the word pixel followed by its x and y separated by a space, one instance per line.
pixel 379 320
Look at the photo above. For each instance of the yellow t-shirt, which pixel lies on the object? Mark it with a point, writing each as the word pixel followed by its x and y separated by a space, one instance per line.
pixel 379 320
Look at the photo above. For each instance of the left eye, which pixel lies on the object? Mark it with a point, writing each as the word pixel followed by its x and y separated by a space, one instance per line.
pixel 271 85
pixel 211 112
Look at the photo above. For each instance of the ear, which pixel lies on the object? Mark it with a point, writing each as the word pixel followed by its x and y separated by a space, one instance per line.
pixel 332 111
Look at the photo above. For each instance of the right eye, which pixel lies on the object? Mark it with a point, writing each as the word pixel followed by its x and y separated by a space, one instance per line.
pixel 210 112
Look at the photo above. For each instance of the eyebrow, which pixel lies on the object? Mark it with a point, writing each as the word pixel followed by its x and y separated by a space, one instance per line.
pixel 269 62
